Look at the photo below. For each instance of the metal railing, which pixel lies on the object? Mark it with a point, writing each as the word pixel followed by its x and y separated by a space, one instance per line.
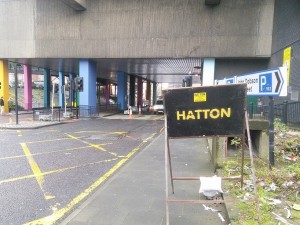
pixel 287 112
pixel 88 111
pixel 258 112
pixel 54 114
pixel 108 108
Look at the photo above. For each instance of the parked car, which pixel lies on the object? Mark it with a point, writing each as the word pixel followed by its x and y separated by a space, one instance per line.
pixel 158 107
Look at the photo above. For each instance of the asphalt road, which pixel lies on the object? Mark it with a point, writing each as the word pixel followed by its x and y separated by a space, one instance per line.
pixel 47 173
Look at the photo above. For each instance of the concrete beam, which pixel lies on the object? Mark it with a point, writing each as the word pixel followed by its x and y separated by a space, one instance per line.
pixel 78 5
pixel 212 2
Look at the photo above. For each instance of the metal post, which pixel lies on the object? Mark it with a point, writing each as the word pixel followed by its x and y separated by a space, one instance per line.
pixel 16 92
pixel 285 104
pixel 166 173
pixel 214 153
pixel 252 169
pixel 251 110
pixel 271 131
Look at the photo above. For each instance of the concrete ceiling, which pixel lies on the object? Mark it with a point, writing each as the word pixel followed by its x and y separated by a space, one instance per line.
pixel 161 70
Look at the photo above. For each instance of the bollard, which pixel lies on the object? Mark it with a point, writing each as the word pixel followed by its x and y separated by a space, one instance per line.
pixel 130 113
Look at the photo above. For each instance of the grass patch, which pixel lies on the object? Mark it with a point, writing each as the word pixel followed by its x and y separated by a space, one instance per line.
pixel 278 188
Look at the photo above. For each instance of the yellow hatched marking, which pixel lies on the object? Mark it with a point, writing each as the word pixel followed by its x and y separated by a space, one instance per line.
pixel 44 153
pixel 97 146
pixel 51 219
pixel 36 170
pixel 49 140
pixel 55 171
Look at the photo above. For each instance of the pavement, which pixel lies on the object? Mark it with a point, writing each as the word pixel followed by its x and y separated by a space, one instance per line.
pixel 136 194
pixel 24 120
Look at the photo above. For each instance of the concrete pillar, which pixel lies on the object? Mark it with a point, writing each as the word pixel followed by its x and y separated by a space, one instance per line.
pixel 132 90
pixel 122 91
pixel 27 87
pixel 208 72
pixel 148 91
pixel 4 83
pixel 107 92
pixel 47 88
pixel 139 92
pixel 61 84
pixel 87 70
pixel 154 93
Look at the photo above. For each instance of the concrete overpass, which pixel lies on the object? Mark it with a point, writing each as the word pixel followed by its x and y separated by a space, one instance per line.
pixel 160 41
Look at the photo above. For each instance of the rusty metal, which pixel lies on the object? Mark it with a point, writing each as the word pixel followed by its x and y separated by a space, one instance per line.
pixel 166 171
pixel 217 201
pixel 170 165
pixel 252 169
pixel 197 178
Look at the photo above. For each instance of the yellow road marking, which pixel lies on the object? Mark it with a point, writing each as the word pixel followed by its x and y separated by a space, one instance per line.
pixel 161 130
pixel 51 219
pixel 101 132
pixel 92 145
pixel 44 153
pixel 56 171
pixel 48 140
pixel 36 170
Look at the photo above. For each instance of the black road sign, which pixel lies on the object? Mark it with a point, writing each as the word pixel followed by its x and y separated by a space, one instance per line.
pixel 210 111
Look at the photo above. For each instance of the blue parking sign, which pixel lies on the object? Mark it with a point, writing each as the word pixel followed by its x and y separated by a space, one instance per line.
pixel 265 82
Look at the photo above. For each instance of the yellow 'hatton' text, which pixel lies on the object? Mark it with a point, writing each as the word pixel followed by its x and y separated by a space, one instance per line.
pixel 198 114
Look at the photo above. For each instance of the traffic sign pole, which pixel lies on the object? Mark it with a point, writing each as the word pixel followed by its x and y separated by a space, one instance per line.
pixel 271 131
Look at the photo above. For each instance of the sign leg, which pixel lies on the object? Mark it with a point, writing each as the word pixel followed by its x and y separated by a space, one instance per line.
pixel 170 166
pixel 166 172
pixel 252 169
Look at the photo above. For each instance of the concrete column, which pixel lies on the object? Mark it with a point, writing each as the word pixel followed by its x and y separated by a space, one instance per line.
pixel 139 92
pixel 87 70
pixel 27 87
pixel 47 88
pixel 154 93
pixel 107 92
pixel 61 84
pixel 148 91
pixel 132 90
pixel 4 83
pixel 208 73
pixel 122 91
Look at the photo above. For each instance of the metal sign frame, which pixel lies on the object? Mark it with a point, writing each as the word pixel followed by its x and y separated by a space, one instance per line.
pixel 169 172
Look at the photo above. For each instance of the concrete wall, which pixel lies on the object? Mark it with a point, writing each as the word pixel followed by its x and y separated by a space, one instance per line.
pixel 286 33
pixel 138 29
pixel 230 67
pixel 17 28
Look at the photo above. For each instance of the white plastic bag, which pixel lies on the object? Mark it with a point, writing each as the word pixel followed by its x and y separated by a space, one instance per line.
pixel 210 186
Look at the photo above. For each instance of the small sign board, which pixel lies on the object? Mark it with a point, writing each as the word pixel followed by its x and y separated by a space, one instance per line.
pixel 205 111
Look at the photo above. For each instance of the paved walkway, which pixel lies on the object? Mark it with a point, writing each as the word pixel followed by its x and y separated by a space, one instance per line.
pixel 135 195
pixel 25 120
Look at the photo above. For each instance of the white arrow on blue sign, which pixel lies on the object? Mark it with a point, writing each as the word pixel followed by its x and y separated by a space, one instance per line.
pixel 272 82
